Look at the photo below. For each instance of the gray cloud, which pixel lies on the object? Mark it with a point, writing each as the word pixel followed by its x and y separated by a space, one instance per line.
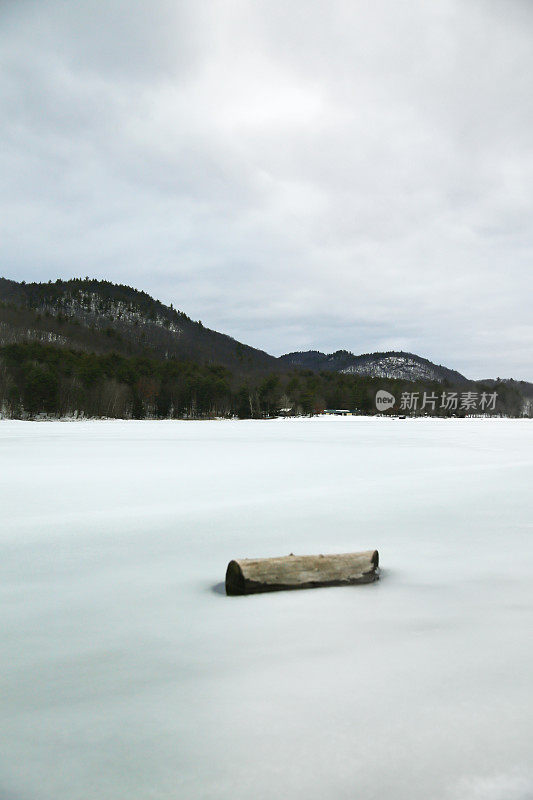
pixel 303 175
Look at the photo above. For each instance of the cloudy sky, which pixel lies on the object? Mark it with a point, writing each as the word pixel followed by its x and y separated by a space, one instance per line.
pixel 299 174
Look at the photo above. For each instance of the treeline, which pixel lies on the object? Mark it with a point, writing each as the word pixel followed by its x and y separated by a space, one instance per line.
pixel 37 378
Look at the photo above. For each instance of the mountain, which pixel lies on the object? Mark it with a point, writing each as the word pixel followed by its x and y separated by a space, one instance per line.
pixel 102 317
pixel 525 388
pixel 392 364
pixel 98 349
pixel 99 316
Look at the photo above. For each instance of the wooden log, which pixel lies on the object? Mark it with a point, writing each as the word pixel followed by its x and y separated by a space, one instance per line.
pixel 253 575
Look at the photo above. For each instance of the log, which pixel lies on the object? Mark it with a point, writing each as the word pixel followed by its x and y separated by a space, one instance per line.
pixel 253 575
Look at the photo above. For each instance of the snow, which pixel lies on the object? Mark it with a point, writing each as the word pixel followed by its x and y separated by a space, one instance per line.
pixel 125 674
pixel 394 366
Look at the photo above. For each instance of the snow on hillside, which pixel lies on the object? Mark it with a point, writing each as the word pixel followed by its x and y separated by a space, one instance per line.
pixel 403 367
pixel 127 675
pixel 8 335
pixel 91 308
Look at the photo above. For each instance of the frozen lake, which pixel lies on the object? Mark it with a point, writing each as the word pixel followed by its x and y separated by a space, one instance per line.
pixel 125 676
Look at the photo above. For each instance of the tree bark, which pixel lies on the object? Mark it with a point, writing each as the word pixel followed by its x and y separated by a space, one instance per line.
pixel 253 575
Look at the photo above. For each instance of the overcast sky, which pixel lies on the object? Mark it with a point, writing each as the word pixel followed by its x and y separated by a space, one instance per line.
pixel 300 174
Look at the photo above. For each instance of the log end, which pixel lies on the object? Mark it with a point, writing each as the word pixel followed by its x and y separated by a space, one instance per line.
pixel 234 579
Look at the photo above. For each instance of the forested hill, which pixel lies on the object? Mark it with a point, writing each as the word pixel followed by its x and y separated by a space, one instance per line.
pixel 392 364
pixel 102 317
pixel 100 349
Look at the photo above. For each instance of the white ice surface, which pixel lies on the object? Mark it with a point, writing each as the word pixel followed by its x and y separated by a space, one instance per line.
pixel 125 676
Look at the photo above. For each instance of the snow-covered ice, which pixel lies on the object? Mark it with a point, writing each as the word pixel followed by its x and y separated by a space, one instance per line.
pixel 126 676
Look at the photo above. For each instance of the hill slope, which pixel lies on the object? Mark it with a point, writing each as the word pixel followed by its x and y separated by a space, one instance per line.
pixel 101 316
pixel 393 364
pixel 99 349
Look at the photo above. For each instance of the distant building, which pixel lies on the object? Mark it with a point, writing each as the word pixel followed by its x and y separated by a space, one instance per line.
pixel 286 412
